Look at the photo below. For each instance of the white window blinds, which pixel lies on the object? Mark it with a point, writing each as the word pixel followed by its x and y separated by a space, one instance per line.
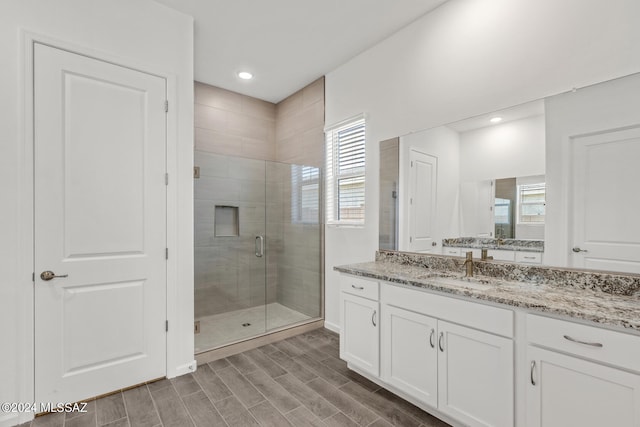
pixel 532 198
pixel 345 171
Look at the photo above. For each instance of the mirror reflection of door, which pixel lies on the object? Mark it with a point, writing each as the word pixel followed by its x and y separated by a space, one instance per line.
pixel 422 201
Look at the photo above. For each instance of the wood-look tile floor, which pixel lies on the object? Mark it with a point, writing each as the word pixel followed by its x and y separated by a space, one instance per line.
pixel 296 382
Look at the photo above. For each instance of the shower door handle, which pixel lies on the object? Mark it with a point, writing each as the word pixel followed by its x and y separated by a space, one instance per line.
pixel 259 246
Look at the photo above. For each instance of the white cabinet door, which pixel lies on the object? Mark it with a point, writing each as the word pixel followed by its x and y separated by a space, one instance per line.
pixel 359 337
pixel 567 391
pixel 475 376
pixel 409 353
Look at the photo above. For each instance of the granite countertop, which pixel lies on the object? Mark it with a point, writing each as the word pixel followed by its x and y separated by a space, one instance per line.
pixel 608 309
pixel 513 245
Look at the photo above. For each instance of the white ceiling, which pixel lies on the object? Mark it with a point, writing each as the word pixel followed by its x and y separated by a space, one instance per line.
pixel 287 44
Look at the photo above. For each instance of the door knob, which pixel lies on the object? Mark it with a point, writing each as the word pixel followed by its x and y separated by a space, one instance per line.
pixel 577 249
pixel 48 275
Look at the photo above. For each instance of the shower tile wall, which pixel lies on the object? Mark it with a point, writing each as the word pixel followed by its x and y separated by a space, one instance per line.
pixel 230 123
pixel 300 126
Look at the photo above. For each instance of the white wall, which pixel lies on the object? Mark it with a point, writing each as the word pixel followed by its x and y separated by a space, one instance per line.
pixel 443 144
pixel 137 32
pixel 465 58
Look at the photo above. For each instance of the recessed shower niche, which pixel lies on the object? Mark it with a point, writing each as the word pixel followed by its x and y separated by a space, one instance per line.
pixel 226 221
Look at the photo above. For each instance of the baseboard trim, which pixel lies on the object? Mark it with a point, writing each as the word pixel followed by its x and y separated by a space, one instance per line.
pixel 332 327
pixel 230 350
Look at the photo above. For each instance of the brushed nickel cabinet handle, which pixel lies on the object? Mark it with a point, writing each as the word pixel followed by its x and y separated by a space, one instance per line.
pixel 357 287
pixel 373 317
pixel 433 345
pixel 440 341
pixel 533 368
pixel 592 344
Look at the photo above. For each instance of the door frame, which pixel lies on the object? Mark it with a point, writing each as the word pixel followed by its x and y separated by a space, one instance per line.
pixel 25 300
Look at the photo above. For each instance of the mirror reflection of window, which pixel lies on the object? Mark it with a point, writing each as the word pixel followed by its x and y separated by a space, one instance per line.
pixel 531 203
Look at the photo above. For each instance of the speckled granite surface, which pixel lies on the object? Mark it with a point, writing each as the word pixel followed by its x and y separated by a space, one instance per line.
pixel 487 243
pixel 607 299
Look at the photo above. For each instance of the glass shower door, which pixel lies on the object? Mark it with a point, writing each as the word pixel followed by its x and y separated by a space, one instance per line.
pixel 293 244
pixel 230 261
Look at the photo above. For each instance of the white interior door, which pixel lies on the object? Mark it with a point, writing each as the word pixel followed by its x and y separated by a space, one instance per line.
pixel 606 234
pixel 422 201
pixel 100 224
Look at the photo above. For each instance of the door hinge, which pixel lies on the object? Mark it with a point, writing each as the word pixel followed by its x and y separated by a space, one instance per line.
pixel 411 163
pixel 33 277
pixel 166 106
pixel 166 253
pixel 410 239
pixel 166 179
pixel 166 326
pixel 196 172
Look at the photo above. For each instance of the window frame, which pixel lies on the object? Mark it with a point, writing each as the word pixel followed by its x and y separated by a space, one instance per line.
pixel 334 173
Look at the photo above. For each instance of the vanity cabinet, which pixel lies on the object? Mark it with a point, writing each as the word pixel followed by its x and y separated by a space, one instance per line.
pixel 464 372
pixel 581 375
pixel 359 311
pixel 498 255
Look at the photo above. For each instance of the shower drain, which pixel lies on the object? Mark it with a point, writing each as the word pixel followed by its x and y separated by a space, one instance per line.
pixel 246 324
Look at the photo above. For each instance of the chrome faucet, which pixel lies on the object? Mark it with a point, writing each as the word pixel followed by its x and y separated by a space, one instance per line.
pixel 468 263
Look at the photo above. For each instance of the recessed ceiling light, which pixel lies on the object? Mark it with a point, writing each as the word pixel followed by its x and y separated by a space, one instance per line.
pixel 496 119
pixel 245 75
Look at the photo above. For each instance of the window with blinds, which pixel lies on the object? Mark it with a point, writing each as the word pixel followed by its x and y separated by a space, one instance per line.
pixel 531 203
pixel 345 170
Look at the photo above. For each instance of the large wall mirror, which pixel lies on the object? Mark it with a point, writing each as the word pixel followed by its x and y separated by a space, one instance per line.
pixel 560 172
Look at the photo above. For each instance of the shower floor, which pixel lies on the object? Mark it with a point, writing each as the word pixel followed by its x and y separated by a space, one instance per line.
pixel 224 328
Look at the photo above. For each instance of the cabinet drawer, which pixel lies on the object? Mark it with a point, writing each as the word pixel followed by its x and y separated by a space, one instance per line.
pixel 495 320
pixel 529 257
pixel 500 255
pixel 451 251
pixel 362 287
pixel 615 348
